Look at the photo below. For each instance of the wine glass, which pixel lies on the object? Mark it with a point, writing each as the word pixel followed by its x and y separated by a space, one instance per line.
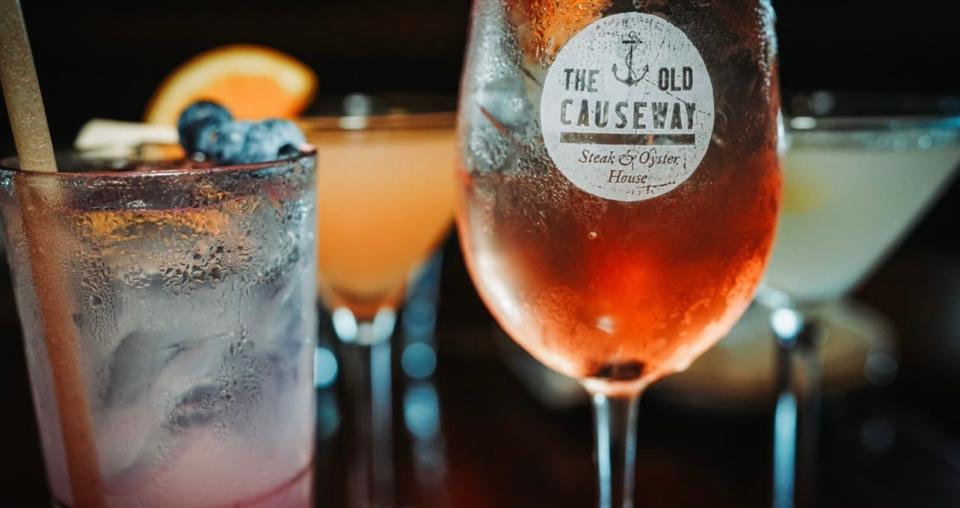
pixel 859 171
pixel 384 203
pixel 619 187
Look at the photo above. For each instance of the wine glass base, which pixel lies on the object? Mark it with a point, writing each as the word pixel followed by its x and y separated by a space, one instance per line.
pixel 739 373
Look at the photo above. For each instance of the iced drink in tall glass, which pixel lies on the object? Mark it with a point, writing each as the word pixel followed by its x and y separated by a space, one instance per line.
pixel 191 294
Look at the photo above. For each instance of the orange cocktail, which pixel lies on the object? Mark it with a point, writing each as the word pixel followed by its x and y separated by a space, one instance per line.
pixel 385 200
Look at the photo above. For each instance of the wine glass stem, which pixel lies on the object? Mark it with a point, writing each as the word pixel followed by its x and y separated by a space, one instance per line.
pixel 615 426
pixel 368 376
pixel 797 414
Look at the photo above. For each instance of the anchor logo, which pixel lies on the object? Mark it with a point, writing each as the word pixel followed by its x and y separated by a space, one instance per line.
pixel 632 40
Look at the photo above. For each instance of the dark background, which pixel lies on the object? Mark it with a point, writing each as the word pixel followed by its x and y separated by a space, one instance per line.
pixel 104 59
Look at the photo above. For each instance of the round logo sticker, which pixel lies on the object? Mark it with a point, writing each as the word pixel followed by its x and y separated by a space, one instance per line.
pixel 627 108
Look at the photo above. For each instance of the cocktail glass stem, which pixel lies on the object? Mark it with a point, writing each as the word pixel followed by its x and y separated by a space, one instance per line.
pixel 615 429
pixel 797 414
pixel 365 351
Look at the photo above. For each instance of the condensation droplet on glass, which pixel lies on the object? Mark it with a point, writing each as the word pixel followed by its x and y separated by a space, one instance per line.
pixel 605 324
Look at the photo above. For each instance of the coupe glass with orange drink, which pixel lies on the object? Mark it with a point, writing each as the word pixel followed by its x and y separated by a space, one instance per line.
pixel 385 185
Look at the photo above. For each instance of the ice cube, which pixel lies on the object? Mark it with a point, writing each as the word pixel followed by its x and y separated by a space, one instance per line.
pixel 134 366
pixel 200 406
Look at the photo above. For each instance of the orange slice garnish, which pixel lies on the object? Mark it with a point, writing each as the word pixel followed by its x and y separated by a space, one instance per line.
pixel 253 82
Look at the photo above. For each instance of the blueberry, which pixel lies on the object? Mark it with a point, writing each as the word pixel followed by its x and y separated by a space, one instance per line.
pixel 197 118
pixel 259 144
pixel 288 152
pixel 287 131
pixel 273 139
pixel 277 139
pixel 248 142
pixel 226 143
pixel 206 139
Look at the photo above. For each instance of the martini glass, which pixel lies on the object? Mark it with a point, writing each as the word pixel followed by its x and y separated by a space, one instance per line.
pixel 385 187
pixel 859 172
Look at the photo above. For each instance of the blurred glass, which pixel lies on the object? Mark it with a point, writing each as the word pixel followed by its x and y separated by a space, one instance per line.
pixel 738 376
pixel 859 172
pixel 422 415
pixel 385 186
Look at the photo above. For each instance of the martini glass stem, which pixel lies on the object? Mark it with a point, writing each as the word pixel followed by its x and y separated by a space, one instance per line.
pixel 366 351
pixel 797 413
pixel 615 430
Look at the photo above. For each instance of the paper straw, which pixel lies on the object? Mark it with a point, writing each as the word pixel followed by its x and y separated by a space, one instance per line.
pixel 21 92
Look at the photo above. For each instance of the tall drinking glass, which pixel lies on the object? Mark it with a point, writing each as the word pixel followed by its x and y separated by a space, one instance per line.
pixel 188 295
pixel 619 187
pixel 859 171
pixel 385 190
